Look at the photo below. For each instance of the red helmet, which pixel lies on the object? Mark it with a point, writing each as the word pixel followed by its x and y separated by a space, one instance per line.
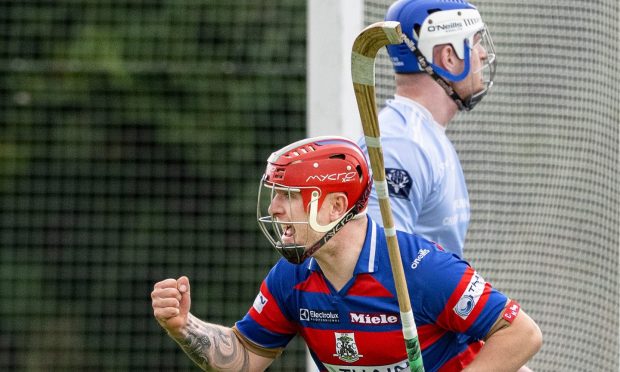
pixel 329 164
pixel 316 167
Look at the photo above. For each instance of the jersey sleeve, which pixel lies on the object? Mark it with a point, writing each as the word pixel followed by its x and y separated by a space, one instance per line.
pixel 456 297
pixel 266 324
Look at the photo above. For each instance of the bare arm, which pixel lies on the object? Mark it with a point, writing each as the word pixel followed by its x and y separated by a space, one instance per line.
pixel 216 348
pixel 509 348
pixel 210 346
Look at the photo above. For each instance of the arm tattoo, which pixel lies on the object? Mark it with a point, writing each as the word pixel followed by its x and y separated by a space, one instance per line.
pixel 213 347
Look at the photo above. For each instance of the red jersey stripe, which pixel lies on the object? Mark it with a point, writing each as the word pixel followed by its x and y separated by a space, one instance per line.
pixel 428 334
pixel 269 315
pixel 367 286
pixel 449 319
pixel 314 283
pixel 471 318
pixel 463 359
pixel 323 343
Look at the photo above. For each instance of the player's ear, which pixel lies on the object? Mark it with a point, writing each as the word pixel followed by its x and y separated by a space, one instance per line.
pixel 339 204
pixel 446 58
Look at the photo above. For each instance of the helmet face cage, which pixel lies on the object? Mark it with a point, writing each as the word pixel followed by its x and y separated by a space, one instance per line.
pixel 274 229
pixel 487 69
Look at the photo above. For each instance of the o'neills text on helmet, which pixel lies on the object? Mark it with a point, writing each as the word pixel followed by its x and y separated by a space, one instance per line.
pixel 445 27
pixel 344 177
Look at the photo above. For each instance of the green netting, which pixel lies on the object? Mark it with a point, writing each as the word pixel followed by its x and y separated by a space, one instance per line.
pixel 132 138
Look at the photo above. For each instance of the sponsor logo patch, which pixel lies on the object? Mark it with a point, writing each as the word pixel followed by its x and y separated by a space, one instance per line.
pixel 399 182
pixel 259 302
pixel 511 312
pixel 318 316
pixel 465 305
pixel 373 318
pixel 421 254
pixel 470 297
pixel 342 177
pixel 346 349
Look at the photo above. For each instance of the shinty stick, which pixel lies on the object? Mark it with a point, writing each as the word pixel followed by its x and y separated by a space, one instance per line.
pixel 365 49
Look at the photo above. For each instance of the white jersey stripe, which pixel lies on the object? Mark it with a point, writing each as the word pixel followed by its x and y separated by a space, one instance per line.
pixel 373 247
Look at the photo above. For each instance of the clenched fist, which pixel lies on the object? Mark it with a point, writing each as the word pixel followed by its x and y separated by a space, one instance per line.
pixel 171 302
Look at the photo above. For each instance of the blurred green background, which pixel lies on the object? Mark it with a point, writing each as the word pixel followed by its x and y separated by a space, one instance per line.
pixel 132 138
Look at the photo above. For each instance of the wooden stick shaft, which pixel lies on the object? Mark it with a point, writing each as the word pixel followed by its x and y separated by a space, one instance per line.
pixel 378 169
pixel 365 49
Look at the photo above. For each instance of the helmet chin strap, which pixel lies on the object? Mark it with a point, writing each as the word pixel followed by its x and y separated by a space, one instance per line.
pixel 314 212
pixel 463 105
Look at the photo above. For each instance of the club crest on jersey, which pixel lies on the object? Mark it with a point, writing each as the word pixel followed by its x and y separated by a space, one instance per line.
pixel 346 349
pixel 399 182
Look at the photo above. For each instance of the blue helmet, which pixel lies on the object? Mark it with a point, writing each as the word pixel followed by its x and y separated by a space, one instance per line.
pixel 456 22
pixel 429 23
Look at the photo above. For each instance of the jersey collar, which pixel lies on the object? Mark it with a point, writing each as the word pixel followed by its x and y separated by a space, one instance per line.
pixel 421 109
pixel 366 263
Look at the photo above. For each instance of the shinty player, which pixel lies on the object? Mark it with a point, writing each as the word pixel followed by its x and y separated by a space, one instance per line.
pixel 334 285
pixel 426 184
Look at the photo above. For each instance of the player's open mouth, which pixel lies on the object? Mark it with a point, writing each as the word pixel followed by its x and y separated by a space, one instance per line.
pixel 288 234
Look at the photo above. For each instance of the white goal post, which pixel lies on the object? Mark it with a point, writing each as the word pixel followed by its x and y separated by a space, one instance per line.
pixel 331 107
pixel 332 28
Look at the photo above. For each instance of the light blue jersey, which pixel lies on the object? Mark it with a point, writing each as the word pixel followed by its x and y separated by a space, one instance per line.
pixel 428 194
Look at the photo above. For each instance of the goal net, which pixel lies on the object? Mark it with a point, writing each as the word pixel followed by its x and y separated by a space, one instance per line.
pixel 540 155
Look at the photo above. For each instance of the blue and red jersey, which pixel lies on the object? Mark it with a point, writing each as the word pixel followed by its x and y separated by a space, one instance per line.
pixel 358 328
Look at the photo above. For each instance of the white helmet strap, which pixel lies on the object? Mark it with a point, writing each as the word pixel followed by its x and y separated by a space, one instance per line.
pixel 313 216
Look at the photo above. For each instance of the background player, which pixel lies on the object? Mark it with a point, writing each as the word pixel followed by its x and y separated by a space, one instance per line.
pixel 335 286
pixel 427 188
